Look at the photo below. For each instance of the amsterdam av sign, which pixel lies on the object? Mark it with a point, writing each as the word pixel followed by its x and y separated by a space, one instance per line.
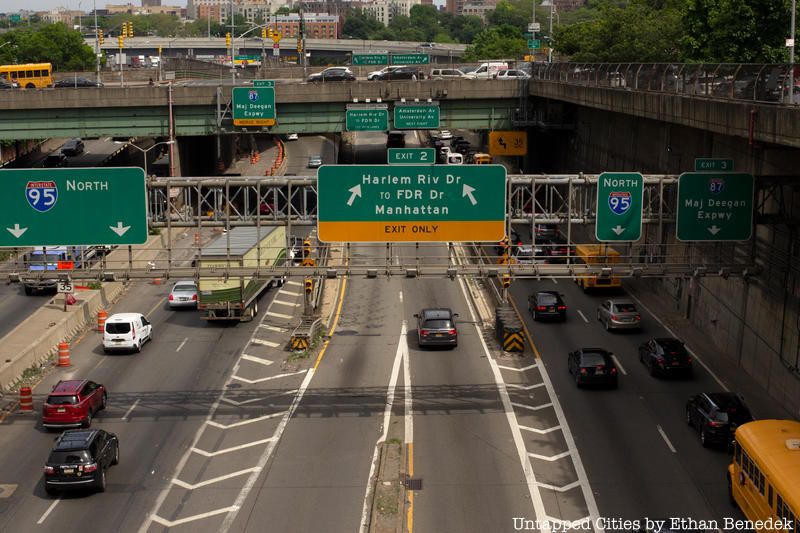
pixel 72 206
pixel 411 203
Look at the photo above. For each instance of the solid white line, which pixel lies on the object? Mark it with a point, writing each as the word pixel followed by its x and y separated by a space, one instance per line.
pixel 289 293
pixel 172 523
pixel 530 407
pixel 292 282
pixel 234 402
pixel 279 315
pixel 189 486
pixel 254 359
pixel 231 449
pixel 664 436
pixel 524 387
pixel 408 422
pixel 550 458
pixel 519 443
pixel 130 409
pixel 270 378
pixel 688 349
pixel 181 344
pixel 583 316
pixel 401 296
pixel 265 343
pixel 49 510
pixel 563 488
pixel 402 348
pixel 539 431
pixel 243 422
pixel 619 365
pixel 515 369
pixel 282 302
pixel 273 328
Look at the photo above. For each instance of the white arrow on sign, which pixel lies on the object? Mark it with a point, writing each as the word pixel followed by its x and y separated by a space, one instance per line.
pixel 618 230
pixel 16 231
pixel 119 229
pixel 714 229
pixel 355 191
pixel 467 191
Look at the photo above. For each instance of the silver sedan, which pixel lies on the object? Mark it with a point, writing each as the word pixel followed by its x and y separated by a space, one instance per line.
pixel 183 294
pixel 619 313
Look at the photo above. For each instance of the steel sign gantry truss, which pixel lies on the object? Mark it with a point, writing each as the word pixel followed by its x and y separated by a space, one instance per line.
pixel 568 200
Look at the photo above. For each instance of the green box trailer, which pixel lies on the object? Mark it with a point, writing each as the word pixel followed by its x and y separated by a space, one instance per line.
pixel 236 298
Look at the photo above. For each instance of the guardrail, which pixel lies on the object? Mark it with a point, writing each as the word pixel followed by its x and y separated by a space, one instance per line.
pixel 765 83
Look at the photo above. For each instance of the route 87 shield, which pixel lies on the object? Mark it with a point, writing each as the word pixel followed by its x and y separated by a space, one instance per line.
pixel 41 195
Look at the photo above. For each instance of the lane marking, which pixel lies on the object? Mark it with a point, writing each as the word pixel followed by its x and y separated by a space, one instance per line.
pixel 402 347
pixel 204 453
pixel 289 293
pixel 254 359
pixel 515 369
pixel 554 280
pixel 252 400
pixel 666 439
pixel 511 418
pixel 244 422
pixel 273 328
pixel 524 387
pixel 583 316
pixel 408 424
pixel 530 407
pixel 283 302
pixel 333 326
pixel 539 431
pixel 563 488
pixel 293 282
pixel 48 511
pixel 172 523
pixel 279 315
pixel 688 348
pixel 619 365
pixel 265 343
pixel 550 458
pixel 130 410
pixel 181 344
pixel 586 488
pixel 401 296
pixel 268 378
pixel 189 486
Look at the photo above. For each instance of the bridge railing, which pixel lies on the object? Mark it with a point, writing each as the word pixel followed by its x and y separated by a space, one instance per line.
pixel 765 83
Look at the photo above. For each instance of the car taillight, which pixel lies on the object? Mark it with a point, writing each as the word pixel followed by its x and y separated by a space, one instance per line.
pixel 90 467
pixel 689 360
pixel 583 371
pixel 613 370
pixel 194 297
pixel 49 470
pixel 638 317
pixel 423 332
pixel 451 331
pixel 562 307
pixel 613 316
pixel 540 308
pixel 171 297
pixel 133 333
pixel 713 424
pixel 660 361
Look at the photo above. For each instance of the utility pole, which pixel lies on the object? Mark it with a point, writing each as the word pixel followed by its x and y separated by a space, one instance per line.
pixel 302 39
pixel 791 54
pixel 96 42
pixel 233 46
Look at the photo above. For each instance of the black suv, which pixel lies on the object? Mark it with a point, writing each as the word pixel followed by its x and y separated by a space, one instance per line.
pixel 437 327
pixel 592 366
pixel 663 356
pixel 716 415
pixel 56 159
pixel 79 460
pixel 402 73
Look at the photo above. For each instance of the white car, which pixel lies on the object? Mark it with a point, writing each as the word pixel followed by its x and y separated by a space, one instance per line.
pixel 512 74
pixel 375 74
pixel 445 135
pixel 126 331
pixel 292 137
pixel 315 161
pixel 183 294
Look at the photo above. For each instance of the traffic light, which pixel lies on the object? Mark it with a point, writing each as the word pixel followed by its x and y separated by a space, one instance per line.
pixel 121 41
pixel 124 29
pixel 130 29
pixel 306 248
pixel 228 40
pixel 300 45
pixel 100 38
pixel 263 33
pixel 506 281
pixel 270 32
pixel 309 285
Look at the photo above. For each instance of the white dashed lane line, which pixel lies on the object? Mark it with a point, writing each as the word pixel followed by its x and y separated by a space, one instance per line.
pixel 666 439
pixel 619 365
pixel 48 511
pixel 130 410
pixel 178 349
pixel 583 316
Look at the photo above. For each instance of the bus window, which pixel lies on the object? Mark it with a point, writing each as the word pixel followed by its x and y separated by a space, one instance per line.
pixel 597 254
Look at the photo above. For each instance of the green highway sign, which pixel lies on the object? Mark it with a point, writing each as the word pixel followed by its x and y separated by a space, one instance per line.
pixel 414 203
pixel 264 83
pixel 715 206
pixel 254 106
pixel 416 116
pixel 534 44
pixel 411 156
pixel 713 164
pixel 619 207
pixel 247 58
pixel 370 59
pixel 73 206
pixel 411 59
pixel 529 35
pixel 360 118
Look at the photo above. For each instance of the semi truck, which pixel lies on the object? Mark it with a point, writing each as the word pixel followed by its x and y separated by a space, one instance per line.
pixel 236 298
pixel 51 258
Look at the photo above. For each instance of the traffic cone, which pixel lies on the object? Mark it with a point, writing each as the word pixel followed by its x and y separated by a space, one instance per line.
pixel 63 354
pixel 25 400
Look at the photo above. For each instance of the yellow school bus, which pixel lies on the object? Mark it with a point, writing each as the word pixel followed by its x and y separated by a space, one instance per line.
pixel 591 254
pixel 764 474
pixel 30 75
pixel 482 159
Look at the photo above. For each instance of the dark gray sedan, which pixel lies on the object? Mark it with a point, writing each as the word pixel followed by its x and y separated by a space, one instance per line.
pixel 437 327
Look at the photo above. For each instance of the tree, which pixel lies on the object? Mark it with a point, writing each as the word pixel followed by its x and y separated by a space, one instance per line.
pixel 51 43
pixel 496 43
pixel 360 25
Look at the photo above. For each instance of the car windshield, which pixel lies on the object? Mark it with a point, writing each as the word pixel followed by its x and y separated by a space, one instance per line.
pixel 437 324
pixel 673 347
pixel 184 288
pixel 118 327
pixel 593 359
pixel 625 308
pixel 62 400
pixel 547 299
pixel 67 458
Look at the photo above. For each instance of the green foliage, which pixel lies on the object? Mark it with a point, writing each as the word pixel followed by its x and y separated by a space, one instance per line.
pixel 53 43
pixel 360 25
pixel 497 42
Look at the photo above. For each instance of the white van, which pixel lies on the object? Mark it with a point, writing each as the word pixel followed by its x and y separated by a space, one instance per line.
pixel 487 70
pixel 126 331
pixel 454 158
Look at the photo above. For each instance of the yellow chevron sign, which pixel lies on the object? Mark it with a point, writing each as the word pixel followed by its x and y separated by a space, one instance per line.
pixel 299 343
pixel 512 342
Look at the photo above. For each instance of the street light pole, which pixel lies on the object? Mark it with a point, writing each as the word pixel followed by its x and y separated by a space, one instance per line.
pixel 233 46
pixel 145 150
pixel 791 54
pixel 96 42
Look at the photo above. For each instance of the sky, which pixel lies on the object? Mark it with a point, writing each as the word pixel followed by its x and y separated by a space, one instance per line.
pixel 11 6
